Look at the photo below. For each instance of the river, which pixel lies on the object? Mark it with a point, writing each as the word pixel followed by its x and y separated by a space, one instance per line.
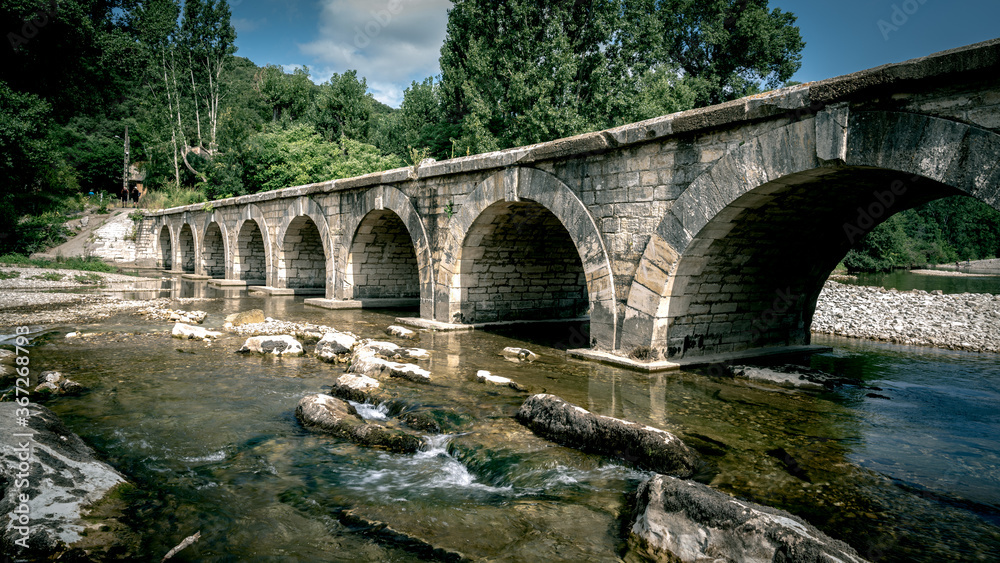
pixel 910 472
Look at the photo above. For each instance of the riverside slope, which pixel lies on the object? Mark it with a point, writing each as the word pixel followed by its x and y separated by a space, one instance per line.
pixel 965 321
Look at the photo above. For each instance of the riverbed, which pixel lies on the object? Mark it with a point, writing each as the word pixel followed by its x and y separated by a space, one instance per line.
pixel 906 473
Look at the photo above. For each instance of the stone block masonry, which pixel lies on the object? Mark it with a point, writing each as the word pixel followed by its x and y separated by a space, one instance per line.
pixel 690 235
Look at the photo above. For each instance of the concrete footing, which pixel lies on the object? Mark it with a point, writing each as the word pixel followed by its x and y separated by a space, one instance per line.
pixel 195 277
pixel 696 361
pixel 227 283
pixel 375 303
pixel 456 327
pixel 279 291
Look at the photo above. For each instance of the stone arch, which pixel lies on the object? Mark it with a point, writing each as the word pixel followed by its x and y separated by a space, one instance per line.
pixel 214 256
pixel 252 256
pixel 187 248
pixel 739 260
pixel 165 248
pixel 375 209
pixel 530 185
pixel 304 235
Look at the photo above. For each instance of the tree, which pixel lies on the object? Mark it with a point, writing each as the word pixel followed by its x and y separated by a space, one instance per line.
pixel 344 107
pixel 735 47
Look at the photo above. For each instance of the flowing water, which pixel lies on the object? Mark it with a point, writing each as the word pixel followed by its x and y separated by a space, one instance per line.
pixel 909 472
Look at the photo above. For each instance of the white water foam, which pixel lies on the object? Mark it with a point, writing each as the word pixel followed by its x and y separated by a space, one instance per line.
pixel 369 411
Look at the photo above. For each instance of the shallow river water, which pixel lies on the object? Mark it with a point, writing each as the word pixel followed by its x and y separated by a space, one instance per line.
pixel 910 472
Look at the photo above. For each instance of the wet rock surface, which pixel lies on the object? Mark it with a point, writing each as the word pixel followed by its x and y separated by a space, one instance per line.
pixel 280 345
pixel 188 332
pixel 55 384
pixel 792 377
pixel 484 376
pixel 966 321
pixel 339 418
pixel 69 493
pixel 368 360
pixel 677 520
pixel 573 426
pixel 335 347
pixel 401 332
pixel 519 354
pixel 246 317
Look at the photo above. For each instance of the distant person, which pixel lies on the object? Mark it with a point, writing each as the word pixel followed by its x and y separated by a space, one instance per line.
pixel 123 195
pixel 134 196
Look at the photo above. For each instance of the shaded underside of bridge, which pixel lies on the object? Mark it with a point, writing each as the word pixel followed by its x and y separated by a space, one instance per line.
pixel 693 235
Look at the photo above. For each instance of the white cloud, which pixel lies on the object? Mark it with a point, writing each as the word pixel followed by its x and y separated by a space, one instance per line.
pixel 389 42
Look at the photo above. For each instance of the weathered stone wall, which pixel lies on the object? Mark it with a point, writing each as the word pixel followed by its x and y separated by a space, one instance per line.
pixel 302 259
pixel 185 249
pixel 697 233
pixel 249 258
pixel 383 262
pixel 214 252
pixel 166 257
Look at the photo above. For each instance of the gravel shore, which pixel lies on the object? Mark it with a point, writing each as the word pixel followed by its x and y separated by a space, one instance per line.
pixel 965 321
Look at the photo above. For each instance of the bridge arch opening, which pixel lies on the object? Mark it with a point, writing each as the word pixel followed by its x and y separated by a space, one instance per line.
pixel 302 260
pixel 166 258
pixel 383 261
pixel 185 243
pixel 750 278
pixel 249 259
pixel 213 253
pixel 518 262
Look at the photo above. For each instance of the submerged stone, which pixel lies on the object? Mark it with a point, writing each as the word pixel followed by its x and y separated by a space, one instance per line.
pixel 484 376
pixel 792 377
pixel 679 520
pixel 373 366
pixel 337 417
pixel 56 384
pixel 519 354
pixel 573 426
pixel 252 316
pixel 401 332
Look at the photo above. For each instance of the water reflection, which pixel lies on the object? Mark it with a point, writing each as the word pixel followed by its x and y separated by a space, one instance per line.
pixel 211 439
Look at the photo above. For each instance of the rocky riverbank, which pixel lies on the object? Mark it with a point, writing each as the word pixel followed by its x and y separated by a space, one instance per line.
pixel 966 321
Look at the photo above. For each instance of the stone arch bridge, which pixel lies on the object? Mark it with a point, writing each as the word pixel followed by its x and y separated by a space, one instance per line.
pixel 698 234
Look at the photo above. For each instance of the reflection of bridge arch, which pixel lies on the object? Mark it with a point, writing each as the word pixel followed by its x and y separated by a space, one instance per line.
pixel 514 206
pixel 739 260
pixel 386 252
pixel 304 251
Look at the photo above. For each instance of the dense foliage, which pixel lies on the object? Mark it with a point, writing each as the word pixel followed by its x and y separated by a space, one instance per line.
pixel 204 123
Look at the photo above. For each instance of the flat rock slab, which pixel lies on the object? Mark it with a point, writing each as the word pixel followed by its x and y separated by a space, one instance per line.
pixel 188 332
pixel 792 377
pixel 338 417
pixel 679 520
pixel 484 376
pixel 280 345
pixel 253 316
pixel 401 332
pixel 61 478
pixel 393 351
pixel 573 426
pixel 374 366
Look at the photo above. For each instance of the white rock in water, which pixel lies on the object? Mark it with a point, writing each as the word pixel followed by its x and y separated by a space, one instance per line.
pixel 184 331
pixel 401 332
pixel 334 344
pixel 358 382
pixel 519 354
pixel 393 351
pixel 281 345
pixel 72 335
pixel 486 377
pixel 371 365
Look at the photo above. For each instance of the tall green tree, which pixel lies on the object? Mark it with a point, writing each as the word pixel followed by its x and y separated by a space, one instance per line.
pixel 344 107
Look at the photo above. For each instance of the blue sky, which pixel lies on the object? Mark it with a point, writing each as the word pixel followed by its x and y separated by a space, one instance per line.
pixel 394 42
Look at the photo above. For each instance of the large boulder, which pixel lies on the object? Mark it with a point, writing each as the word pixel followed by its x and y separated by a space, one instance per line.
pixel 334 346
pixel 677 520
pixel 338 417
pixel 253 316
pixel 280 345
pixel 374 367
pixel 186 332
pixel 61 499
pixel 573 426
